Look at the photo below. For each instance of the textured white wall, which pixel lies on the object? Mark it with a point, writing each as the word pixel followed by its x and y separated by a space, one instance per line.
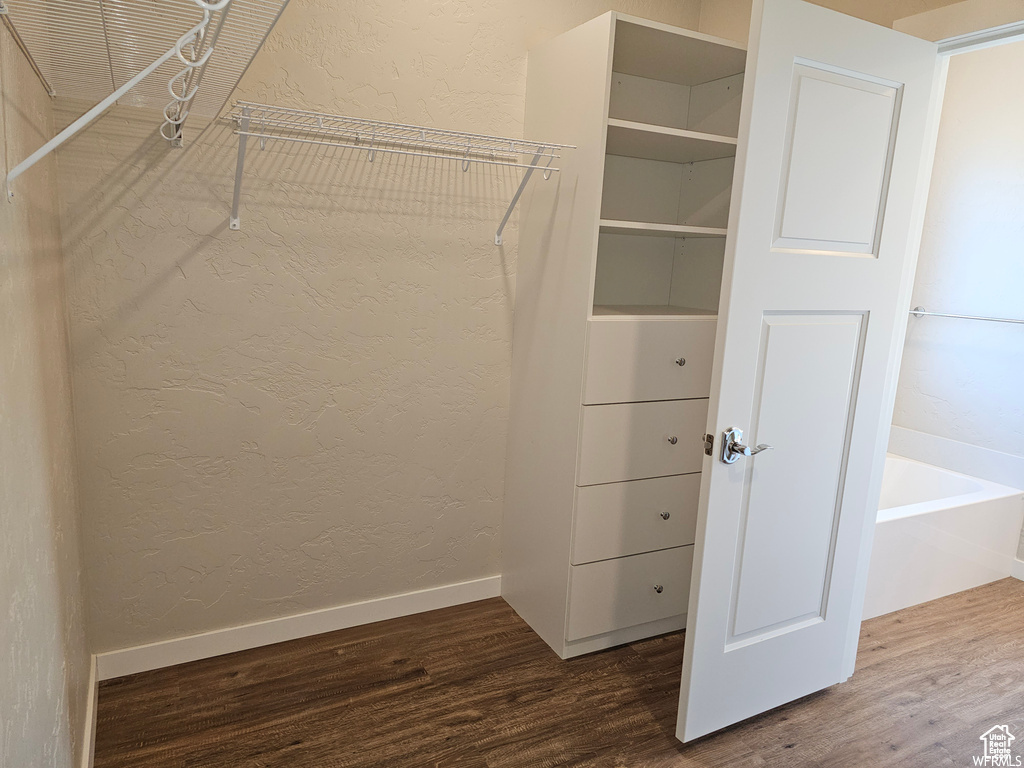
pixel 311 411
pixel 961 379
pixel 44 660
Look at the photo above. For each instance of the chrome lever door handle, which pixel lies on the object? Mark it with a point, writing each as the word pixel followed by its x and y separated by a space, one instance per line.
pixel 733 447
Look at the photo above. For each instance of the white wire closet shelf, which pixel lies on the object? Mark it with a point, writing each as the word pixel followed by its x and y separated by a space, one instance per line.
pixel 179 56
pixel 271 123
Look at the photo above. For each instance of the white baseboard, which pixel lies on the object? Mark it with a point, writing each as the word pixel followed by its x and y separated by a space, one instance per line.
pixel 1018 569
pixel 179 650
pixel 89 728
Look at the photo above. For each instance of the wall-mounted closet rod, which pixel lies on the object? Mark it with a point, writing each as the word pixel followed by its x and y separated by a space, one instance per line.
pixel 920 312
pixel 304 119
pixel 373 149
pixel 190 38
pixel 358 132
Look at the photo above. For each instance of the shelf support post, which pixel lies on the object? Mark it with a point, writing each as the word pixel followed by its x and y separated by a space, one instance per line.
pixel 519 193
pixel 243 126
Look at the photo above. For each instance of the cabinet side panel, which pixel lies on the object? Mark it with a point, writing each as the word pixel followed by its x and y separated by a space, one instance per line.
pixel 566 102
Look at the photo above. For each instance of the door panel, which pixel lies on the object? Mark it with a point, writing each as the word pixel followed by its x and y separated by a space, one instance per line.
pixel 836 138
pixel 839 140
pixel 806 379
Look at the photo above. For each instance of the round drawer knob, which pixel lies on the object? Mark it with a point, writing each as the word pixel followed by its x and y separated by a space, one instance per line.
pixel 658 588
pixel 673 439
pixel 666 515
pixel 680 361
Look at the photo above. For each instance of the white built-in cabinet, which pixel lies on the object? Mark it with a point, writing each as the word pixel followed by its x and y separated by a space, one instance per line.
pixel 619 275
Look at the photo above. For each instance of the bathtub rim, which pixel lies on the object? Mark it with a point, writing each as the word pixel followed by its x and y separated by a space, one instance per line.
pixel 988 492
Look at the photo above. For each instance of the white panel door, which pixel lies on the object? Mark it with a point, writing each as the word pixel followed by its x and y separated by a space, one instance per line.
pixel 835 151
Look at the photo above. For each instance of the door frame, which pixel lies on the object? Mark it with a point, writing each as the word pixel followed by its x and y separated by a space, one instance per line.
pixel 948 47
pixel 966 42
pixel 985 38
pixel 950 29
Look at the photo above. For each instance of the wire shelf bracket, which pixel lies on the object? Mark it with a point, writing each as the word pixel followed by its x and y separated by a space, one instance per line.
pixel 83 49
pixel 270 123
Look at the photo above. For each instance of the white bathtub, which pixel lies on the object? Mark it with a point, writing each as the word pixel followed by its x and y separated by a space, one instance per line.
pixel 937 533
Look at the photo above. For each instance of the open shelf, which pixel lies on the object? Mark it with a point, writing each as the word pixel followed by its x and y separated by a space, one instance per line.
pixel 677 79
pixel 675 145
pixel 613 311
pixel 663 199
pixel 617 227
pixel 650 50
pixel 670 154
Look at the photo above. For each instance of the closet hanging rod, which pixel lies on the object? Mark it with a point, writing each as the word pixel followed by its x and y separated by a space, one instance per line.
pixel 300 126
pixel 361 134
pixel 920 312
pixel 374 148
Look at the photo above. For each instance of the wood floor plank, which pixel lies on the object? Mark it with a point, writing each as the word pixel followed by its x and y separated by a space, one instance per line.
pixel 473 687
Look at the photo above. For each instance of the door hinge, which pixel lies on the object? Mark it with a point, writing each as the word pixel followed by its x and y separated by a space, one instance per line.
pixel 709 445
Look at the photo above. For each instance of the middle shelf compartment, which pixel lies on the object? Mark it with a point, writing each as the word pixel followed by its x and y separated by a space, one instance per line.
pixel 659 192
pixel 684 273
pixel 664 217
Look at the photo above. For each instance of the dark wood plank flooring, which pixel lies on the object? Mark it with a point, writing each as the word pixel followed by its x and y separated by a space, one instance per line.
pixel 473 687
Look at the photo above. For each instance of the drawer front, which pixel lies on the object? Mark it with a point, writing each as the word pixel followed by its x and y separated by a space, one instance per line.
pixel 621 519
pixel 630 441
pixel 630 361
pixel 620 593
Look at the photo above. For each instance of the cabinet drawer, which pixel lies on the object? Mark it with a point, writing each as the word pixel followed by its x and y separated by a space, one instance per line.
pixel 634 360
pixel 614 594
pixel 621 519
pixel 630 441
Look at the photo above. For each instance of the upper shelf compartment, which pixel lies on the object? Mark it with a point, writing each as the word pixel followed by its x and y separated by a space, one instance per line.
pixel 689 81
pixel 673 55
